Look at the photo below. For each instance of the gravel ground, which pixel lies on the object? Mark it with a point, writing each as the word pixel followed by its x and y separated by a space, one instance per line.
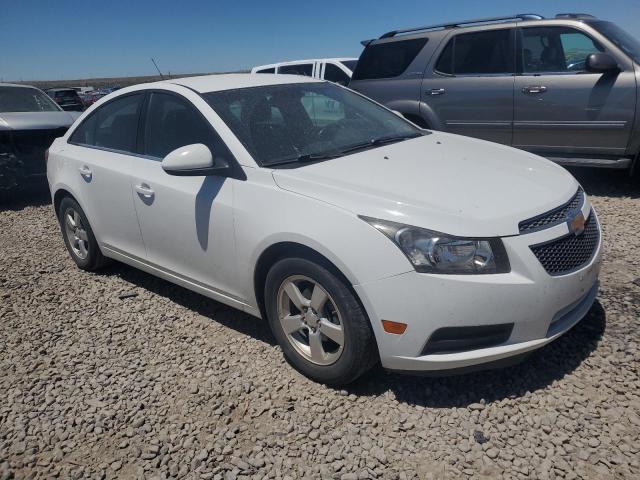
pixel 168 384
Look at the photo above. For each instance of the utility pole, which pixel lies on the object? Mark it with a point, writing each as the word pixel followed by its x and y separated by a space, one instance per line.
pixel 156 65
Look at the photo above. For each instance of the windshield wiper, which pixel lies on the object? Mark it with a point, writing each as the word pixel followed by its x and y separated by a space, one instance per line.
pixel 306 158
pixel 375 142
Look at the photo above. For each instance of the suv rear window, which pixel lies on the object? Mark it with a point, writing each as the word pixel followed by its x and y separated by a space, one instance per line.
pixel 479 53
pixel 387 60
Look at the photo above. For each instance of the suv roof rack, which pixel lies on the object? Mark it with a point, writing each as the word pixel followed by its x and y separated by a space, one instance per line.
pixel 574 15
pixel 519 16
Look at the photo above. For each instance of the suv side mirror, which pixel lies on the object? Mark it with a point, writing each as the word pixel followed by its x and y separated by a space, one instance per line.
pixel 193 160
pixel 601 62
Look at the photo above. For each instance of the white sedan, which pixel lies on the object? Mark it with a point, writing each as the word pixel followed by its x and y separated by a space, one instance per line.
pixel 360 237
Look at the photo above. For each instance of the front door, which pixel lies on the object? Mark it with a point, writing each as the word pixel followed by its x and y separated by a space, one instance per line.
pixel 560 107
pixel 470 88
pixel 186 222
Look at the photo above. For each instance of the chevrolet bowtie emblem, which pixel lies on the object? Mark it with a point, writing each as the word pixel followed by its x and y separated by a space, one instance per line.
pixel 576 223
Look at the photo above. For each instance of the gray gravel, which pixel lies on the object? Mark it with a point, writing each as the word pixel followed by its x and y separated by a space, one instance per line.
pixel 122 375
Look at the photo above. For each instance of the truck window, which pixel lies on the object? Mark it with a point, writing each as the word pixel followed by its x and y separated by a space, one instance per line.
pixel 387 60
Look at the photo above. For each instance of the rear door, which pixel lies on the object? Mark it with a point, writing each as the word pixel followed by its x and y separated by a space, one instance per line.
pixel 469 88
pixel 186 222
pixel 100 153
pixel 560 107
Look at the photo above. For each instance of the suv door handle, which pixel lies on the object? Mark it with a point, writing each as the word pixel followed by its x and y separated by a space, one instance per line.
pixel 85 172
pixel 435 91
pixel 534 89
pixel 144 190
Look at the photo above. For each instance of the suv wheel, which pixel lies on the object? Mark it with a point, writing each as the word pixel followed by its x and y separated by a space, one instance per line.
pixel 321 327
pixel 78 236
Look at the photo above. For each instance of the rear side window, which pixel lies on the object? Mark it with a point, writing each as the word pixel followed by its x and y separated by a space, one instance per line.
pixel 305 69
pixel 171 123
pixel 113 125
pixel 267 70
pixel 387 60
pixel 335 74
pixel 480 53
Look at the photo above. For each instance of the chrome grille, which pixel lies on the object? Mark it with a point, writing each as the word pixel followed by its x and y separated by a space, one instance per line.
pixel 553 217
pixel 569 253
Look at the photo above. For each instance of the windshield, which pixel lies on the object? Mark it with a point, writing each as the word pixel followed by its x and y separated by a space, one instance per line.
pixel 284 124
pixel 624 41
pixel 350 64
pixel 23 99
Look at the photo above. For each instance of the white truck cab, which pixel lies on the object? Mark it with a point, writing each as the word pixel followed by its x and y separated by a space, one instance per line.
pixel 337 70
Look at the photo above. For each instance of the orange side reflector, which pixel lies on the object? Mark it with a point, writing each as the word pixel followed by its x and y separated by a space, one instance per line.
pixel 394 327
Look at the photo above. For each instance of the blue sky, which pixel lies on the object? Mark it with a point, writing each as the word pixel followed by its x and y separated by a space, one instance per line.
pixel 69 39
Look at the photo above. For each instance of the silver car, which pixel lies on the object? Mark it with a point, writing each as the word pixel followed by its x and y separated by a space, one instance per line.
pixel 564 88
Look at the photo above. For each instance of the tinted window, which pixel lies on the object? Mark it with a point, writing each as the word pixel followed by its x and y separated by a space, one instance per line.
pixel 20 99
pixel 171 123
pixel 335 74
pixel 282 123
pixel 350 64
pixel 267 70
pixel 113 125
pixel 445 62
pixel 555 49
pixel 305 69
pixel 483 53
pixel 387 60
pixel 621 39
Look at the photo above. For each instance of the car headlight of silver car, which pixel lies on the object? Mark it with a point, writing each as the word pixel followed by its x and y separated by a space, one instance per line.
pixel 434 252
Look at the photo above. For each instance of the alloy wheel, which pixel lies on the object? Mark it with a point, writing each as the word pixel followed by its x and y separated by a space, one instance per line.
pixel 76 233
pixel 310 320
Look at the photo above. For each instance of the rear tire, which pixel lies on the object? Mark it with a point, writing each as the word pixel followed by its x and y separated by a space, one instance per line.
pixel 78 236
pixel 324 332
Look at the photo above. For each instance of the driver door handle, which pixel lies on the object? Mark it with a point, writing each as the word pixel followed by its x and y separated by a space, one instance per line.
pixel 144 190
pixel 435 91
pixel 534 89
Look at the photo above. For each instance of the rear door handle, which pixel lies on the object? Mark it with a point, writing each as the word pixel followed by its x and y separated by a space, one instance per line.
pixel 144 190
pixel 435 91
pixel 85 172
pixel 534 89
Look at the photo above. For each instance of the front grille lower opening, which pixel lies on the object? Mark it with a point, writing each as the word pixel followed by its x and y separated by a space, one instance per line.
pixel 462 339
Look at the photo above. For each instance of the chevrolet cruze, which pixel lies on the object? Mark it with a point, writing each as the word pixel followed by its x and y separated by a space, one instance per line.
pixel 360 237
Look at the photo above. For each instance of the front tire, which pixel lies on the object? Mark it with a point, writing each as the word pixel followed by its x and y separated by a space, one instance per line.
pixel 78 236
pixel 318 322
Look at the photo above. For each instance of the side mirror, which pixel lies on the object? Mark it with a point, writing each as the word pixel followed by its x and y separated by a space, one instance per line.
pixel 601 62
pixel 192 160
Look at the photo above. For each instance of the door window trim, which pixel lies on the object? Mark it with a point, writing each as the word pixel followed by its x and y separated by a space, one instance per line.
pixel 512 47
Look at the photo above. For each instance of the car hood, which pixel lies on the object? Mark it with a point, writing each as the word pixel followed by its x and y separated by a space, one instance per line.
pixel 443 182
pixel 36 120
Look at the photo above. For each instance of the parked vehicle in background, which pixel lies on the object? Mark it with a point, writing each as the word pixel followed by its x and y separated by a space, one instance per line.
pixel 328 221
pixel 337 70
pixel 83 90
pixel 92 97
pixel 565 88
pixel 29 122
pixel 67 98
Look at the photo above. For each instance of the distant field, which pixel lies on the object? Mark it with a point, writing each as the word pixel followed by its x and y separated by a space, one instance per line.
pixel 110 81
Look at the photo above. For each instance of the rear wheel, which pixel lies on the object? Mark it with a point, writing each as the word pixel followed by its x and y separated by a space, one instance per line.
pixel 321 327
pixel 78 236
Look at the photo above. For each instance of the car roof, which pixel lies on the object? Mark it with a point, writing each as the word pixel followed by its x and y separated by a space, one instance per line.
pixel 17 85
pixel 215 83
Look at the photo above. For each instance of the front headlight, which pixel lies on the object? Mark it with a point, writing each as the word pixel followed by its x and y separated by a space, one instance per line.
pixel 433 252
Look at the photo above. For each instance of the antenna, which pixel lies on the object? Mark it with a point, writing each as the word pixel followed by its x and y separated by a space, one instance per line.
pixel 156 65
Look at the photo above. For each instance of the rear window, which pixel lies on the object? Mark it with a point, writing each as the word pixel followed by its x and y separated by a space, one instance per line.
pixel 19 99
pixel 387 60
pixel 480 53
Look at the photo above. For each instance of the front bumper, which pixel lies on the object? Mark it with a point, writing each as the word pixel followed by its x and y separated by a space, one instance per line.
pixel 541 307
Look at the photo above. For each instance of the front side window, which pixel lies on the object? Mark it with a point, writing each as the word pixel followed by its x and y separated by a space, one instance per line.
pixel 479 53
pixel 297 123
pixel 23 99
pixel 335 74
pixel 387 60
pixel 556 50
pixel 113 126
pixel 171 123
pixel 305 69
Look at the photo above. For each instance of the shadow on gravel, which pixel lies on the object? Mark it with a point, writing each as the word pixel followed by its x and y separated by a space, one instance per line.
pixel 537 371
pixel 216 311
pixel 33 197
pixel 609 183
